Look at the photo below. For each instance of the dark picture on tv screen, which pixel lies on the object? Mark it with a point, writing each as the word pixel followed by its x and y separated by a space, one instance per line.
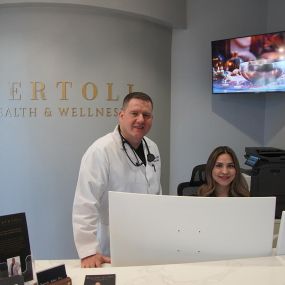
pixel 251 64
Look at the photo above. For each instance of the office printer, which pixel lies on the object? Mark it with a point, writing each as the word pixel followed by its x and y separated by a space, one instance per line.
pixel 267 174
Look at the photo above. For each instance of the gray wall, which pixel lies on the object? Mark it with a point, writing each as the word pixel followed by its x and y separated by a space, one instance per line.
pixel 169 13
pixel 275 103
pixel 40 155
pixel 40 158
pixel 201 121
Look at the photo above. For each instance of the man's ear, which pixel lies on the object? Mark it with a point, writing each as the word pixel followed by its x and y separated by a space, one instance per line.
pixel 121 114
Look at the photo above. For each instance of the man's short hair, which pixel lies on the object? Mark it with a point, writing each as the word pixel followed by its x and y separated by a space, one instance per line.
pixel 136 95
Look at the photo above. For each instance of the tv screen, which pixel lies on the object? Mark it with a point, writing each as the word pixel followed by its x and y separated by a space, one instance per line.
pixel 249 64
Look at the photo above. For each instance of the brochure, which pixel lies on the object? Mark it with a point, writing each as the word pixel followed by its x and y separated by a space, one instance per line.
pixel 103 279
pixel 15 252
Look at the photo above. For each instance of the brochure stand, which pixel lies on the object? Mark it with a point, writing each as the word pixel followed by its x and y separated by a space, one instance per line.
pixel 15 252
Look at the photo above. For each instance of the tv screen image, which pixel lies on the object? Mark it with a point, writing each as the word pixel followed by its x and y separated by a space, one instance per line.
pixel 249 64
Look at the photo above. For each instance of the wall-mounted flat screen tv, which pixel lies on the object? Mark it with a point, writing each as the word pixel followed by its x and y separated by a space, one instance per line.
pixel 251 64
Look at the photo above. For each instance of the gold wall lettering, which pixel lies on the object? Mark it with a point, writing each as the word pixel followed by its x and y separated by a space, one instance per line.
pixel 39 93
pixel 89 90
pixel 38 88
pixel 22 112
pixel 63 85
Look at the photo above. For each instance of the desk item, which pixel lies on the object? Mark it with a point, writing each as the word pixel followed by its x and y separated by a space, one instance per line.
pixel 65 281
pixel 51 275
pixel 280 247
pixel 148 229
pixel 247 271
pixel 267 174
pixel 15 252
pixel 14 280
pixel 103 279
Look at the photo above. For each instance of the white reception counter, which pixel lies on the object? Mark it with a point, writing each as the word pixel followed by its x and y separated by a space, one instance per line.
pixel 259 271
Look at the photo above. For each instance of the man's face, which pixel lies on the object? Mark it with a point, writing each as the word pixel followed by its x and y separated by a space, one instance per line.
pixel 135 121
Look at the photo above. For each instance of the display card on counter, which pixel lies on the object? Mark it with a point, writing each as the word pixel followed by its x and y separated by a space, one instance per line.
pixel 13 280
pixel 15 252
pixel 104 279
pixel 52 275
pixel 65 281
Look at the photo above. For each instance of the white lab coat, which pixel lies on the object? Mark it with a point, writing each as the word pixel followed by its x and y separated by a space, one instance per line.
pixel 105 167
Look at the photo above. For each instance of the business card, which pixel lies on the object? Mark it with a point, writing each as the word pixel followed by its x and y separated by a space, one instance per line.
pixel 52 274
pixel 104 279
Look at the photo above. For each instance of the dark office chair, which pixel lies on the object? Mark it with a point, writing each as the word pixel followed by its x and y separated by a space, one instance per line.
pixel 198 177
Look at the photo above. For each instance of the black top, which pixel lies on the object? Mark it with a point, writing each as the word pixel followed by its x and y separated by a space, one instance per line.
pixel 140 152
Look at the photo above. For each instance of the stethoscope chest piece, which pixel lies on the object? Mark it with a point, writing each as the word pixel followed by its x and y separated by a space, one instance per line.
pixel 150 156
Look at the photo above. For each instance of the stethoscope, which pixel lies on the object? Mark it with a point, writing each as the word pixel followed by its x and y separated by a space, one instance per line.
pixel 150 157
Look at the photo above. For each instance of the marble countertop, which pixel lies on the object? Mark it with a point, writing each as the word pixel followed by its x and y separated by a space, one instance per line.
pixel 259 271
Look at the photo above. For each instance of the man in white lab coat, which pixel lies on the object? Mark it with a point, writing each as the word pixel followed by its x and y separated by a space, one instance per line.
pixel 124 160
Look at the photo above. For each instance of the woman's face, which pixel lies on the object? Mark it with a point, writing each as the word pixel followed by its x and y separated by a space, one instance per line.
pixel 224 171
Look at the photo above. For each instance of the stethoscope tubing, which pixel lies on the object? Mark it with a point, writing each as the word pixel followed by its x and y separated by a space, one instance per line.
pixel 150 156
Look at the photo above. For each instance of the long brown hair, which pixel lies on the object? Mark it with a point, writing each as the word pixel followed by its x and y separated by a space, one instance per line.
pixel 238 187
